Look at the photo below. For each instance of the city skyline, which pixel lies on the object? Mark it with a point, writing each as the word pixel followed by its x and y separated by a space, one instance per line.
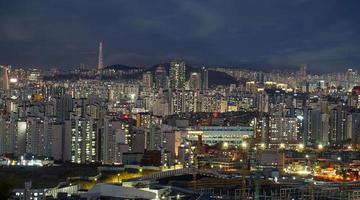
pixel 180 100
pixel 262 36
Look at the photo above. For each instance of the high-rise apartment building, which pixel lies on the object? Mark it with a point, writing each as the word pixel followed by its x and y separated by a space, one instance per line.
pixel 112 142
pixel 160 77
pixel 195 81
pixel 44 137
pixel 303 71
pixel 177 74
pixel 100 58
pixel 12 136
pixel 147 81
pixel 204 78
pixel 4 78
pixel 284 130
pixel 81 137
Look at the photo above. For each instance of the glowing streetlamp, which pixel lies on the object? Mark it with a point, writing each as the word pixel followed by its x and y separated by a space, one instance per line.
pixel 262 145
pixel 282 146
pixel 320 147
pixel 132 96
pixel 301 146
pixel 244 145
pixel 193 155
pixel 225 145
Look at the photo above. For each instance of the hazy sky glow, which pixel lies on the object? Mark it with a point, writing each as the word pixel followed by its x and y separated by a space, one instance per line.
pixel 325 34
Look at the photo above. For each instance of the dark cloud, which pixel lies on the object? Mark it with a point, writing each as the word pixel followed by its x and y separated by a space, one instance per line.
pixel 322 33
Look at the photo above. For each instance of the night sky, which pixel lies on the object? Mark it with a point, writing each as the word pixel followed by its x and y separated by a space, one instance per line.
pixel 325 34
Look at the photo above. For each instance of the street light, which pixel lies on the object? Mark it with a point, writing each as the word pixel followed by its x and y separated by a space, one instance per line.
pixel 225 145
pixel 118 176
pixel 301 146
pixel 193 155
pixel 320 147
pixel 262 145
pixel 282 145
pixel 132 96
pixel 244 145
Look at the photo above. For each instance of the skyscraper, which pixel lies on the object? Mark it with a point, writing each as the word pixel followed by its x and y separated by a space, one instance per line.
pixel 160 77
pixel 302 71
pixel 204 79
pixel 44 137
pixel 284 130
pixel 147 81
pixel 112 141
pixel 81 139
pixel 177 74
pixel 100 59
pixel 195 82
pixel 12 135
pixel 4 78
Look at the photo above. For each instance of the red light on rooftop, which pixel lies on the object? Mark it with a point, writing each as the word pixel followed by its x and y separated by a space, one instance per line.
pixel 356 90
pixel 125 117
pixel 216 114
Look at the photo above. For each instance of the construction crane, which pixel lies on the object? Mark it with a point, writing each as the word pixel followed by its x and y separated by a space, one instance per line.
pixel 194 167
pixel 257 137
pixel 195 151
pixel 243 175
pixel 248 152
pixel 257 185
pixel 311 191
pixel 243 150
